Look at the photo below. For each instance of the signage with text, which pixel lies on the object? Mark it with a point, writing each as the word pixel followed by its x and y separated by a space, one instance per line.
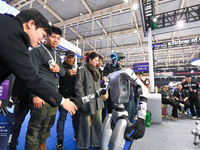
pixel 4 87
pixel 178 43
pixel 141 67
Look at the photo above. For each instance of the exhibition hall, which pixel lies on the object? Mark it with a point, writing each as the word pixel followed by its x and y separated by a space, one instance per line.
pixel 100 74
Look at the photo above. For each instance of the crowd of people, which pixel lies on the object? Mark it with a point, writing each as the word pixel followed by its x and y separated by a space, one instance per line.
pixel 44 83
pixel 184 96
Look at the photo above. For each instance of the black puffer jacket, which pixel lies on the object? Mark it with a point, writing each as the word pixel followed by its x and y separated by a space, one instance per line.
pixel 66 83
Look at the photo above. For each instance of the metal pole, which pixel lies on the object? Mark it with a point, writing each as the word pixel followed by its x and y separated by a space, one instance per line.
pixel 151 71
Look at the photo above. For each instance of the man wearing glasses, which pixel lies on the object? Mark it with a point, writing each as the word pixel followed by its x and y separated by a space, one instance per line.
pixel 48 64
pixel 28 28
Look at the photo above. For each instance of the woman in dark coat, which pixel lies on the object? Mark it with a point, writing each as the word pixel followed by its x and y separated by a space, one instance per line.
pixel 87 82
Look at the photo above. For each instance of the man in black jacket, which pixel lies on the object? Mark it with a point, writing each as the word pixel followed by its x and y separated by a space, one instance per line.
pixel 182 96
pixel 168 99
pixel 192 88
pixel 66 89
pixel 28 28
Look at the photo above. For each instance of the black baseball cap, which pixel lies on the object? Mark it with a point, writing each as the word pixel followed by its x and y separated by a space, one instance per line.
pixel 67 53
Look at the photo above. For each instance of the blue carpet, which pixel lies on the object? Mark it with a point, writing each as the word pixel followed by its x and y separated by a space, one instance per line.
pixel 69 143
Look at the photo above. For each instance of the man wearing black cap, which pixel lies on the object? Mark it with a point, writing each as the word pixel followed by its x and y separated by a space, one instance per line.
pixel 192 88
pixel 66 89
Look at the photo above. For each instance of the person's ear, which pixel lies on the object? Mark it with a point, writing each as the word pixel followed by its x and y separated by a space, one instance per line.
pixel 31 24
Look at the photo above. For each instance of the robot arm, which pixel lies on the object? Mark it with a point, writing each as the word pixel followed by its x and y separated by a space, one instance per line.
pixel 101 91
pixel 139 126
pixel 142 107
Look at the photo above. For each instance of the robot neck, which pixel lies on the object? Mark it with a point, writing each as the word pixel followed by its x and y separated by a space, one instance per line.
pixel 119 107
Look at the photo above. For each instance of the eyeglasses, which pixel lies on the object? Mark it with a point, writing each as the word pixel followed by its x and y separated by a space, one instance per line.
pixel 55 37
pixel 97 61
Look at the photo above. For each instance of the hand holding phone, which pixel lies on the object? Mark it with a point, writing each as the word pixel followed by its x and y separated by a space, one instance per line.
pixel 51 62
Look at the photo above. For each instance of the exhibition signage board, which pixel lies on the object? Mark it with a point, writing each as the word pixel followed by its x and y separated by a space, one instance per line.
pixel 178 43
pixel 4 87
pixel 177 73
pixel 5 129
pixel 141 67
pixel 163 74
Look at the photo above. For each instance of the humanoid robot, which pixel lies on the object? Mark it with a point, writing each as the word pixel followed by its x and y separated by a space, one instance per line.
pixel 196 132
pixel 116 125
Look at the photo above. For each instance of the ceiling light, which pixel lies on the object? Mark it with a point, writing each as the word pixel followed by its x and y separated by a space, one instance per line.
pixel 135 6
pixel 81 13
pixel 135 31
pixel 126 1
pixel 50 23
pixel 180 23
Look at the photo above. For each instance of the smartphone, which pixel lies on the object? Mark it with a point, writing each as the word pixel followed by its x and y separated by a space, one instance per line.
pixel 51 62
pixel 75 63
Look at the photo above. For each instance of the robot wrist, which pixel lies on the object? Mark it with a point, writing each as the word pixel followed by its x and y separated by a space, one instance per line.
pixel 142 108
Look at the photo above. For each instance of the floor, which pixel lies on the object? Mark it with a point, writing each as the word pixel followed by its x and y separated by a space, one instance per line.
pixel 170 135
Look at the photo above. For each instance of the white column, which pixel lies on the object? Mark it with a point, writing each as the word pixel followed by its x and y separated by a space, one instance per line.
pixel 151 71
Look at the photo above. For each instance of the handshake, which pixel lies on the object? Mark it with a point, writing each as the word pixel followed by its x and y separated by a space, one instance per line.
pixel 72 104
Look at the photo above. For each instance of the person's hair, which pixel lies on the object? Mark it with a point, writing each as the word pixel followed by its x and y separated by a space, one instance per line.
pixel 100 56
pixel 179 84
pixel 147 79
pixel 55 30
pixel 91 55
pixel 140 73
pixel 33 14
pixel 164 86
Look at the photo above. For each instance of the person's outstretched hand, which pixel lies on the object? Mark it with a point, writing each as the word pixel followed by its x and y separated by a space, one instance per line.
pixel 69 106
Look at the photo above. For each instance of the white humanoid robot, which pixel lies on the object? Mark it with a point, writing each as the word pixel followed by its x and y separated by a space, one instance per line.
pixel 196 132
pixel 116 125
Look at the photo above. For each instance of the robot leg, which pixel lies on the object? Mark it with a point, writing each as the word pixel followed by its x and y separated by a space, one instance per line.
pixel 117 141
pixel 106 132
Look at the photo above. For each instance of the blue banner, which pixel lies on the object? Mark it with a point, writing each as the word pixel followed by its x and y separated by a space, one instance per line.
pixel 5 129
pixel 140 67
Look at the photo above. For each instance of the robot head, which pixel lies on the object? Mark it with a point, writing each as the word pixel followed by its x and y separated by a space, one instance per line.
pixel 116 57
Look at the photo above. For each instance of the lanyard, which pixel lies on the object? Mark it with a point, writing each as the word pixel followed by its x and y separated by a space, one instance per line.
pixel 180 93
pixel 50 53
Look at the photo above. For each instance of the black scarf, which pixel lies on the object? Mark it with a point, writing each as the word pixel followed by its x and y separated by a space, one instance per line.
pixel 94 71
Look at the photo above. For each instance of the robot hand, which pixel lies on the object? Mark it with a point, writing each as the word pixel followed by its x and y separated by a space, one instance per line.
pixel 90 97
pixel 139 127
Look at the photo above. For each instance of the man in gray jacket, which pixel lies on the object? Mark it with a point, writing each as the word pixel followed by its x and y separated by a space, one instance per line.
pixel 48 64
